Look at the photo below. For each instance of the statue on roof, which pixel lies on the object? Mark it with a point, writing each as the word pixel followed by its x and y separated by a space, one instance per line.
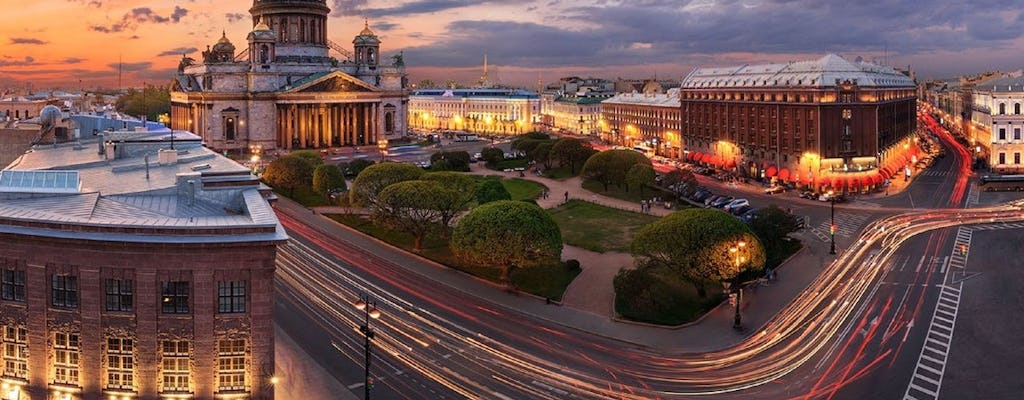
pixel 397 59
pixel 186 61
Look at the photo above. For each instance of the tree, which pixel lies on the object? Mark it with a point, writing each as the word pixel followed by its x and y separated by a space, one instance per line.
pixel 151 101
pixel 542 154
pixel 773 225
pixel 464 189
pixel 376 177
pixel 450 160
pixel 537 135
pixel 643 296
pixel 492 190
pixel 639 176
pixel 356 166
pixel 572 152
pixel 684 181
pixel 413 207
pixel 502 233
pixel 309 156
pixel 426 84
pixel 610 166
pixel 492 155
pixel 694 243
pixel 327 179
pixel 288 173
pixel 526 144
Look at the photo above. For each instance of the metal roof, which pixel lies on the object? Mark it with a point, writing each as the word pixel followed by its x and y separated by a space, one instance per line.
pixel 821 73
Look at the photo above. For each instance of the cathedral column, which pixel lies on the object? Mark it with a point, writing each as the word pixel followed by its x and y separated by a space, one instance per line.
pixel 303 125
pixel 328 127
pixel 349 125
pixel 293 111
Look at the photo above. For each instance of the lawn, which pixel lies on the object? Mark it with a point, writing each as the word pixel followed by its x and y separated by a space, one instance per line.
pixel 522 189
pixel 549 282
pixel 306 196
pixel 561 173
pixel 598 228
pixel 621 193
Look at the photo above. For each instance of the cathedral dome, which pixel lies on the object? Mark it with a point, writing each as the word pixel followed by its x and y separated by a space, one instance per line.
pixel 262 32
pixel 224 45
pixel 366 36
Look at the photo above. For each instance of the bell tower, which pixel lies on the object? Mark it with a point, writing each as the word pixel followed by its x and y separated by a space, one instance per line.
pixel 261 45
pixel 299 27
pixel 367 48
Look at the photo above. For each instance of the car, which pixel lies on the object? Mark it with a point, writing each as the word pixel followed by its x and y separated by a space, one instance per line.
pixel 713 198
pixel 700 195
pixel 749 215
pixel 478 157
pixel 737 211
pixel 807 194
pixel 775 189
pixel 722 201
pixel 728 207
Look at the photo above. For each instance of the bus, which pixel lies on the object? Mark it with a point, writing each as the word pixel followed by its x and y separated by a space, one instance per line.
pixel 999 183
pixel 466 137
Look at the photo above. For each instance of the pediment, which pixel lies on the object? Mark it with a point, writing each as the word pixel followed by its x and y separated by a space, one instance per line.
pixel 333 83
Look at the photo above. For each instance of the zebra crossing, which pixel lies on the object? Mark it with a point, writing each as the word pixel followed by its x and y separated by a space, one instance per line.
pixel 848 225
pixel 961 247
pixel 937 173
pixel 931 363
pixel 992 227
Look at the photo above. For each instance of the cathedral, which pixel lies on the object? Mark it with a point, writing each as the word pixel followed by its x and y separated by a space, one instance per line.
pixel 292 87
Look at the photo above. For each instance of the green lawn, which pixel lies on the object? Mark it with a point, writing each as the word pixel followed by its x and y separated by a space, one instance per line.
pixel 598 228
pixel 620 193
pixel 306 196
pixel 549 282
pixel 522 189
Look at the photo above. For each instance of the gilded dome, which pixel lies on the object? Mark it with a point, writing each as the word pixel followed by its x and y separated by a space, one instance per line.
pixel 262 32
pixel 224 45
pixel 366 36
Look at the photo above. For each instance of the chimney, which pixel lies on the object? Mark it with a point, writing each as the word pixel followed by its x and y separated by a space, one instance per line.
pixel 167 156
pixel 108 150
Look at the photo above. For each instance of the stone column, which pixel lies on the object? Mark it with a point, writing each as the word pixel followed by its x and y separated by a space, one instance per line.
pixel 304 124
pixel 204 356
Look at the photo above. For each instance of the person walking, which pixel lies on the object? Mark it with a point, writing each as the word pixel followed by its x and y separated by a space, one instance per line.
pixel 566 196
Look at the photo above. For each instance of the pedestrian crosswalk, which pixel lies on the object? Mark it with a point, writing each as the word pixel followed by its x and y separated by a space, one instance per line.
pixel 931 363
pixel 961 247
pixel 936 173
pixel 992 227
pixel 848 225
pixel 972 197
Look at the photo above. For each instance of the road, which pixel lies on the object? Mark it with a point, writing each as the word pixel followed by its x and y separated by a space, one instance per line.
pixel 437 341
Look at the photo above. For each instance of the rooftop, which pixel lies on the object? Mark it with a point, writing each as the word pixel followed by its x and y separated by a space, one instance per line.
pixel 824 72
pixel 1008 84
pixel 132 186
pixel 476 92
pixel 669 99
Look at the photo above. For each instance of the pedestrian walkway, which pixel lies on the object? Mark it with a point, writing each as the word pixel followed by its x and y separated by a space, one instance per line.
pixel 931 363
pixel 299 376
pixel 592 290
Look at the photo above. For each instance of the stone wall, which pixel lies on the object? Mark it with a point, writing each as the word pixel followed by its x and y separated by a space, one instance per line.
pixel 14 143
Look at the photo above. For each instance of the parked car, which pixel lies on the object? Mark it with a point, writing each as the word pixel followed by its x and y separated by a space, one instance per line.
pixel 749 215
pixel 737 211
pixel 710 199
pixel 721 202
pixel 728 207
pixel 838 198
pixel 807 194
pixel 700 195
pixel 775 189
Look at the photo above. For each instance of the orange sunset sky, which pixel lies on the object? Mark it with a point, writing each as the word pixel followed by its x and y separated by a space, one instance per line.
pixel 78 43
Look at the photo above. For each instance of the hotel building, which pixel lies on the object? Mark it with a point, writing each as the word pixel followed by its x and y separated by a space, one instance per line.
pixel 475 110
pixel 825 122
pixel 649 120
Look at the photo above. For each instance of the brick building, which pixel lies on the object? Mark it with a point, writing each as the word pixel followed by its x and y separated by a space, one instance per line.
pixel 825 122
pixel 135 265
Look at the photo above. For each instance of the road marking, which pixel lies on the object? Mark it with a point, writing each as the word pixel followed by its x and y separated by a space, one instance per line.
pixel 972 197
pixel 936 347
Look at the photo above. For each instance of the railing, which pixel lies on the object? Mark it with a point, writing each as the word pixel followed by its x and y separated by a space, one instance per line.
pixel 341 50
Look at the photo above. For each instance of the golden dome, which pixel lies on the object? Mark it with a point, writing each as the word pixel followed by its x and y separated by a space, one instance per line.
pixel 261 26
pixel 224 38
pixel 366 29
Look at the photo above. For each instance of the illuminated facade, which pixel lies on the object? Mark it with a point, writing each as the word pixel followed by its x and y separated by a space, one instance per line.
pixel 649 120
pixel 998 114
pixel 141 268
pixel 478 110
pixel 825 122
pixel 286 90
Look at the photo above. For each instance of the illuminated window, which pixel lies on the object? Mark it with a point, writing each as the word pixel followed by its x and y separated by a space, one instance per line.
pixel 119 294
pixel 175 366
pixel 65 358
pixel 120 363
pixel 175 297
pixel 15 352
pixel 231 296
pixel 13 283
pixel 231 365
pixel 64 291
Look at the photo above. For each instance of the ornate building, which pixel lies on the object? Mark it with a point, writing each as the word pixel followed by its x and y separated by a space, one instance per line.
pixel 648 120
pixel 825 122
pixel 477 110
pixel 286 90
pixel 998 113
pixel 135 265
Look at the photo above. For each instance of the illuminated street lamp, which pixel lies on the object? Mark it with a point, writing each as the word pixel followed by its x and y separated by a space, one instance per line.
pixel 382 145
pixel 735 251
pixel 369 308
pixel 832 226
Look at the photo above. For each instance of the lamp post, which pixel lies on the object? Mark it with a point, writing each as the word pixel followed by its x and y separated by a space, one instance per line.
pixel 369 308
pixel 581 123
pixel 737 322
pixel 382 145
pixel 832 226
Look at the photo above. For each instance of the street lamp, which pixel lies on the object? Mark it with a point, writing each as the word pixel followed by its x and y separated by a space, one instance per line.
pixel 737 322
pixel 581 123
pixel 369 308
pixel 832 227
pixel 382 145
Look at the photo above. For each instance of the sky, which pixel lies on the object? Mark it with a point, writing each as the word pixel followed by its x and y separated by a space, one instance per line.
pixel 75 44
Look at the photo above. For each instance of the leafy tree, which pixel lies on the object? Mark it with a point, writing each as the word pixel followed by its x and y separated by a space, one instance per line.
pixel 542 154
pixel 502 233
pixel 288 173
pixel 537 135
pixel 526 144
pixel 773 225
pixel 492 190
pixel 610 166
pixel 492 155
pixel 376 177
pixel 572 152
pixel 464 189
pixel 327 179
pixel 426 84
pixel 413 207
pixel 639 176
pixel 685 179
pixel 644 296
pixel 151 101
pixel 309 156
pixel 694 245
pixel 450 160
pixel 356 166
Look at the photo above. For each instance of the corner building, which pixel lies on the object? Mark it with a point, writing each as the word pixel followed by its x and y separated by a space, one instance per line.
pixel 135 266
pixel 287 90
pixel 826 122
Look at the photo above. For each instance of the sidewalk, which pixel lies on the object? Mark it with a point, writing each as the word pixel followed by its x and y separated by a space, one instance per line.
pixel 299 376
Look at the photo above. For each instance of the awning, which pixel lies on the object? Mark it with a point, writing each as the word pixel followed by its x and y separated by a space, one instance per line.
pixel 807 179
pixel 771 171
pixel 731 163
pixel 784 174
pixel 837 182
pixel 866 181
pixel 877 178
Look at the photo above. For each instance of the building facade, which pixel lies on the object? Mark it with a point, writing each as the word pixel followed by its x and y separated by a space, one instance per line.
pixel 997 110
pixel 135 266
pixel 573 105
pixel 476 110
pixel 286 90
pixel 646 120
pixel 825 122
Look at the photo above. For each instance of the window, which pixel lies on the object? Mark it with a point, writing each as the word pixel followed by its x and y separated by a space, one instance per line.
pixel 231 296
pixel 120 362
pixel 175 298
pixel 64 291
pixel 175 366
pixel 1002 158
pixel 1016 108
pixel 119 294
pixel 1002 133
pixel 15 352
pixel 1016 133
pixel 231 365
pixel 1002 108
pixel 65 360
pixel 13 283
pixel 229 128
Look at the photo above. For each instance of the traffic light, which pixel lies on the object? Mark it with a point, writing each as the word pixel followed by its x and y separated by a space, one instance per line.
pixel 963 250
pixel 370 383
pixel 832 229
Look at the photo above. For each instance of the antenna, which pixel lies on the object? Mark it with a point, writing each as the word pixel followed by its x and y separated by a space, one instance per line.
pixel 119 67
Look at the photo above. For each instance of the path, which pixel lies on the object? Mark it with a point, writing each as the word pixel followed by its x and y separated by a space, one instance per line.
pixel 592 290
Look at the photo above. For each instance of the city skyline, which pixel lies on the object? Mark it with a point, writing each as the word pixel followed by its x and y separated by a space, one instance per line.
pixel 525 41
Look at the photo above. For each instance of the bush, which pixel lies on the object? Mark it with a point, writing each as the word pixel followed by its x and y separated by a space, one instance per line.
pixel 450 161
pixel 309 156
pixel 288 173
pixel 640 295
pixel 355 167
pixel 572 265
pixel 492 155
pixel 327 178
pixel 491 190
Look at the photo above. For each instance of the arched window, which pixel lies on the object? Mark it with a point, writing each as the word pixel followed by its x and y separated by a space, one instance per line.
pixel 229 128
pixel 369 57
pixel 1002 108
pixel 313 31
pixel 283 28
pixel 264 54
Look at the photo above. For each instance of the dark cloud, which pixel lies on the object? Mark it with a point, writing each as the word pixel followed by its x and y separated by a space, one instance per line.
pixel 141 15
pixel 27 41
pixel 358 7
pixel 91 3
pixel 384 26
pixel 235 17
pixel 129 67
pixel 347 7
pixel 72 60
pixel 8 61
pixel 177 51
